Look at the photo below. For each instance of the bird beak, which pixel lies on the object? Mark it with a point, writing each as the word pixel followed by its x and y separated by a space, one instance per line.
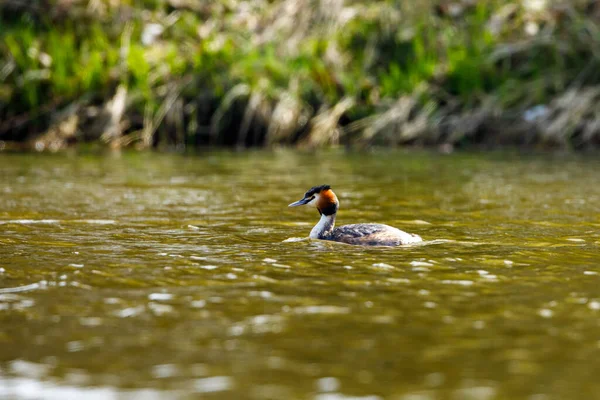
pixel 299 203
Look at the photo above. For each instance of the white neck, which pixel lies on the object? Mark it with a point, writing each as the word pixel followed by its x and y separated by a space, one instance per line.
pixel 323 227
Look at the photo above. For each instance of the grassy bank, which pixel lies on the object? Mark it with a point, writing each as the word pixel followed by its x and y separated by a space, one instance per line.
pixel 176 73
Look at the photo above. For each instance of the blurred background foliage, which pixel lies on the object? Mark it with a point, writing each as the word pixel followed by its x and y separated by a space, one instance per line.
pixel 309 73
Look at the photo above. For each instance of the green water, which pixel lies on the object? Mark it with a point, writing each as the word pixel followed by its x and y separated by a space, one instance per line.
pixel 170 276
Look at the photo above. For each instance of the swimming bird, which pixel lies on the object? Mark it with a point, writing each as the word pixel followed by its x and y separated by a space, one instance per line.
pixel 326 202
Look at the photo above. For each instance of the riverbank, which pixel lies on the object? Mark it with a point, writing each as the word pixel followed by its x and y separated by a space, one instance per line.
pixel 175 73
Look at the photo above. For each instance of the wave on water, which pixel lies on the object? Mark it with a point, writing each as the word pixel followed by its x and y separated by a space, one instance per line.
pixel 58 221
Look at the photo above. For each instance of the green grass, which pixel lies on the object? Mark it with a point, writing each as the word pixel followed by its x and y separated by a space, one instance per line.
pixel 447 62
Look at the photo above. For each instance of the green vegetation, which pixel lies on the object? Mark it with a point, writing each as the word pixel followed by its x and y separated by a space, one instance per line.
pixel 309 72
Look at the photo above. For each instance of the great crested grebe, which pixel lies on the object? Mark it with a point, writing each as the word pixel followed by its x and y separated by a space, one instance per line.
pixel 326 202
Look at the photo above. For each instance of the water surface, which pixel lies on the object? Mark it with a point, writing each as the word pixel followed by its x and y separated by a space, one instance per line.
pixel 171 276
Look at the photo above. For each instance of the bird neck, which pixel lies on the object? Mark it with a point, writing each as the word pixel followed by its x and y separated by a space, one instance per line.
pixel 324 227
